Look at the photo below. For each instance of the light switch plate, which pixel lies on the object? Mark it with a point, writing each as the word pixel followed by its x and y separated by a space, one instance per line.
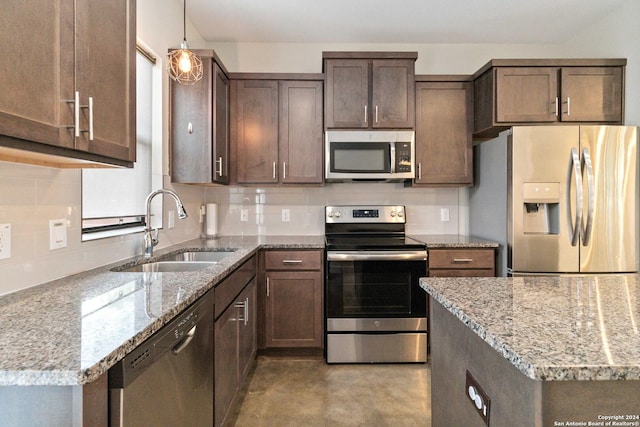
pixel 57 234
pixel 5 241
pixel 286 215
pixel 444 214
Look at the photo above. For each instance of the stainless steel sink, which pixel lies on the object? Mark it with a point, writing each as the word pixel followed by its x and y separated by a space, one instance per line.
pixel 198 256
pixel 167 267
pixel 180 262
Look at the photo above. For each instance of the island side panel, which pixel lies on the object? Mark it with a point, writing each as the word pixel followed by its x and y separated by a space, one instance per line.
pixel 515 399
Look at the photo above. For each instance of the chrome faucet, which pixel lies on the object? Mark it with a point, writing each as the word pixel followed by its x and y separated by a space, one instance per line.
pixel 151 234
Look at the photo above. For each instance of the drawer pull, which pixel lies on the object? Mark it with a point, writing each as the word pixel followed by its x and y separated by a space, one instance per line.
pixel 292 261
pixel 463 260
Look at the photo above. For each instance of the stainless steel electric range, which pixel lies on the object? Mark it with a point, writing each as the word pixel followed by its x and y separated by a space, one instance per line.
pixel 375 309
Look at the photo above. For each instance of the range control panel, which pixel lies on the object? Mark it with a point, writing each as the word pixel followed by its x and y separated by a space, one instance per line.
pixel 364 214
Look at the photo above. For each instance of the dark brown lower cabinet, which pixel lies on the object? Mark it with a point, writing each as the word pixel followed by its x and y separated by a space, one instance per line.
pixel 293 299
pixel 475 262
pixel 235 338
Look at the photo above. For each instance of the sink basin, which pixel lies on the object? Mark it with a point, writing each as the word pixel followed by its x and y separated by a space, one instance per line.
pixel 168 267
pixel 198 256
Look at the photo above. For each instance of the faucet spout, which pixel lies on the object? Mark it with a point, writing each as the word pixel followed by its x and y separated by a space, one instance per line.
pixel 150 233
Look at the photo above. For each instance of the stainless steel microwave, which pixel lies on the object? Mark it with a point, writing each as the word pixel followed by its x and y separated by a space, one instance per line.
pixel 378 155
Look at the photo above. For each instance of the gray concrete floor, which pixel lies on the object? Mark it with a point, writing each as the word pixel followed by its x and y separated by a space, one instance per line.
pixel 308 392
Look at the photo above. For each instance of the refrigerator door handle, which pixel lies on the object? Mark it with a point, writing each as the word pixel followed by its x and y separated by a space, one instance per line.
pixel 574 172
pixel 591 196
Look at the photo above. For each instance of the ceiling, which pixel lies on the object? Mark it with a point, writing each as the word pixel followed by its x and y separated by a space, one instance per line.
pixel 395 21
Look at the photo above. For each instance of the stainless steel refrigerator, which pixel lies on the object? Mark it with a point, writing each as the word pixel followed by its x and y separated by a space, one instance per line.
pixel 559 199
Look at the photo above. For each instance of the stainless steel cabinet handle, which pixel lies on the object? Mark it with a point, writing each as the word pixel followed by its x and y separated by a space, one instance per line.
pixel 185 341
pixel 274 170
pixel 568 106
pixel 376 114
pixel 591 196
pixel 574 172
pixel 284 170
pixel 190 128
pixel 292 261
pixel 267 286
pixel 76 113
pixel 219 162
pixel 91 118
pixel 556 102
pixel 420 171
pixel 246 311
pixel 466 260
pixel 365 114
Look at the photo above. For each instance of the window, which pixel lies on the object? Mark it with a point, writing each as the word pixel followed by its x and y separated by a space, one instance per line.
pixel 113 200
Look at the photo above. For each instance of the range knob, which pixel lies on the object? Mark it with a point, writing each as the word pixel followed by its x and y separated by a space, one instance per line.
pixel 330 214
pixel 400 214
pixel 393 214
pixel 338 214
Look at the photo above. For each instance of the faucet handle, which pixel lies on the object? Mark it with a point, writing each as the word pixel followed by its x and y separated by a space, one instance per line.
pixel 154 236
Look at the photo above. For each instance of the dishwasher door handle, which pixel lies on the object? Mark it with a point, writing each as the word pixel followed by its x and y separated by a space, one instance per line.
pixel 185 341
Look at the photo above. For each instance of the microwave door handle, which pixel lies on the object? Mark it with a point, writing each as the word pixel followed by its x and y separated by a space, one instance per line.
pixel 392 152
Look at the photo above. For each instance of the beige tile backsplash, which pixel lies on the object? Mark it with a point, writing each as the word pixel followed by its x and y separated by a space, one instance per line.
pixel 32 195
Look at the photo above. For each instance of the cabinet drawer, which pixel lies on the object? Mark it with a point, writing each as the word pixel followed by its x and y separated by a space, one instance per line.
pixel 462 258
pixel 293 260
pixel 227 290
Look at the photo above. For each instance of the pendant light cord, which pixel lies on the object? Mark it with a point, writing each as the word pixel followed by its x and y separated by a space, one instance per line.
pixel 184 23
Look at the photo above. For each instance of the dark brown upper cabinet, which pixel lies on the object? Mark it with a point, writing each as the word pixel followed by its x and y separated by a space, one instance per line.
pixel 67 95
pixel 539 91
pixel 199 123
pixel 444 122
pixel 276 132
pixel 370 90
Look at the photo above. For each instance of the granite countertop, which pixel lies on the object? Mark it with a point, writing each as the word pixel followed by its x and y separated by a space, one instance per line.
pixel 72 330
pixel 552 328
pixel 452 241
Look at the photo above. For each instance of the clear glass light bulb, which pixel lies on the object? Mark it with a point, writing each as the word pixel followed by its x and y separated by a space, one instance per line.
pixel 185 62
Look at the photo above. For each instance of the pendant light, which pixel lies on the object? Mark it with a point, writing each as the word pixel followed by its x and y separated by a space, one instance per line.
pixel 184 66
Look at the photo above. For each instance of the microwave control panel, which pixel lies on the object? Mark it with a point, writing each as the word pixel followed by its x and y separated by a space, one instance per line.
pixel 403 157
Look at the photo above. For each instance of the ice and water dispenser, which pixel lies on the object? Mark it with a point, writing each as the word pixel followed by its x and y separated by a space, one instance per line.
pixel 541 210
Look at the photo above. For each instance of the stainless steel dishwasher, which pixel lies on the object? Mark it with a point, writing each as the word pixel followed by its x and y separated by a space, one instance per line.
pixel 168 380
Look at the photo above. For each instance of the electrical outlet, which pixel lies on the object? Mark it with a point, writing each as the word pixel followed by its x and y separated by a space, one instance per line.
pixel 57 234
pixel 444 214
pixel 244 215
pixel 171 219
pixel 478 397
pixel 286 215
pixel 5 241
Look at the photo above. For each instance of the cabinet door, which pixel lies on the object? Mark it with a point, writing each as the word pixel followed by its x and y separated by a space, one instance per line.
pixel 220 126
pixel 294 309
pixel 247 325
pixel 226 363
pixel 592 94
pixel 443 133
pixel 256 132
pixel 300 131
pixel 38 79
pixel 347 97
pixel 190 124
pixel 526 94
pixel 105 73
pixel 393 94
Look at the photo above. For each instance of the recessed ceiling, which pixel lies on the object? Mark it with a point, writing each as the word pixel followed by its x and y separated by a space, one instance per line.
pixel 395 21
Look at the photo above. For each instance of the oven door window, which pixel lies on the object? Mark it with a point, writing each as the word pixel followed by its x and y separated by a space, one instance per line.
pixel 373 157
pixel 375 289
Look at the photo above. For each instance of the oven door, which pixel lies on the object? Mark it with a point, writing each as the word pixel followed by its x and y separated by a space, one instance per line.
pixel 375 284
pixel 376 311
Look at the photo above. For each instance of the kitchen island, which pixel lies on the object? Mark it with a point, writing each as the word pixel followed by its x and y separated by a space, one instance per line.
pixel 535 351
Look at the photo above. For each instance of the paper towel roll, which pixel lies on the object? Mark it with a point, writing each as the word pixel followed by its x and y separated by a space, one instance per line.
pixel 212 219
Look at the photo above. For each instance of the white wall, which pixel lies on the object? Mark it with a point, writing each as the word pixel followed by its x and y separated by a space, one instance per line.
pixel 30 195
